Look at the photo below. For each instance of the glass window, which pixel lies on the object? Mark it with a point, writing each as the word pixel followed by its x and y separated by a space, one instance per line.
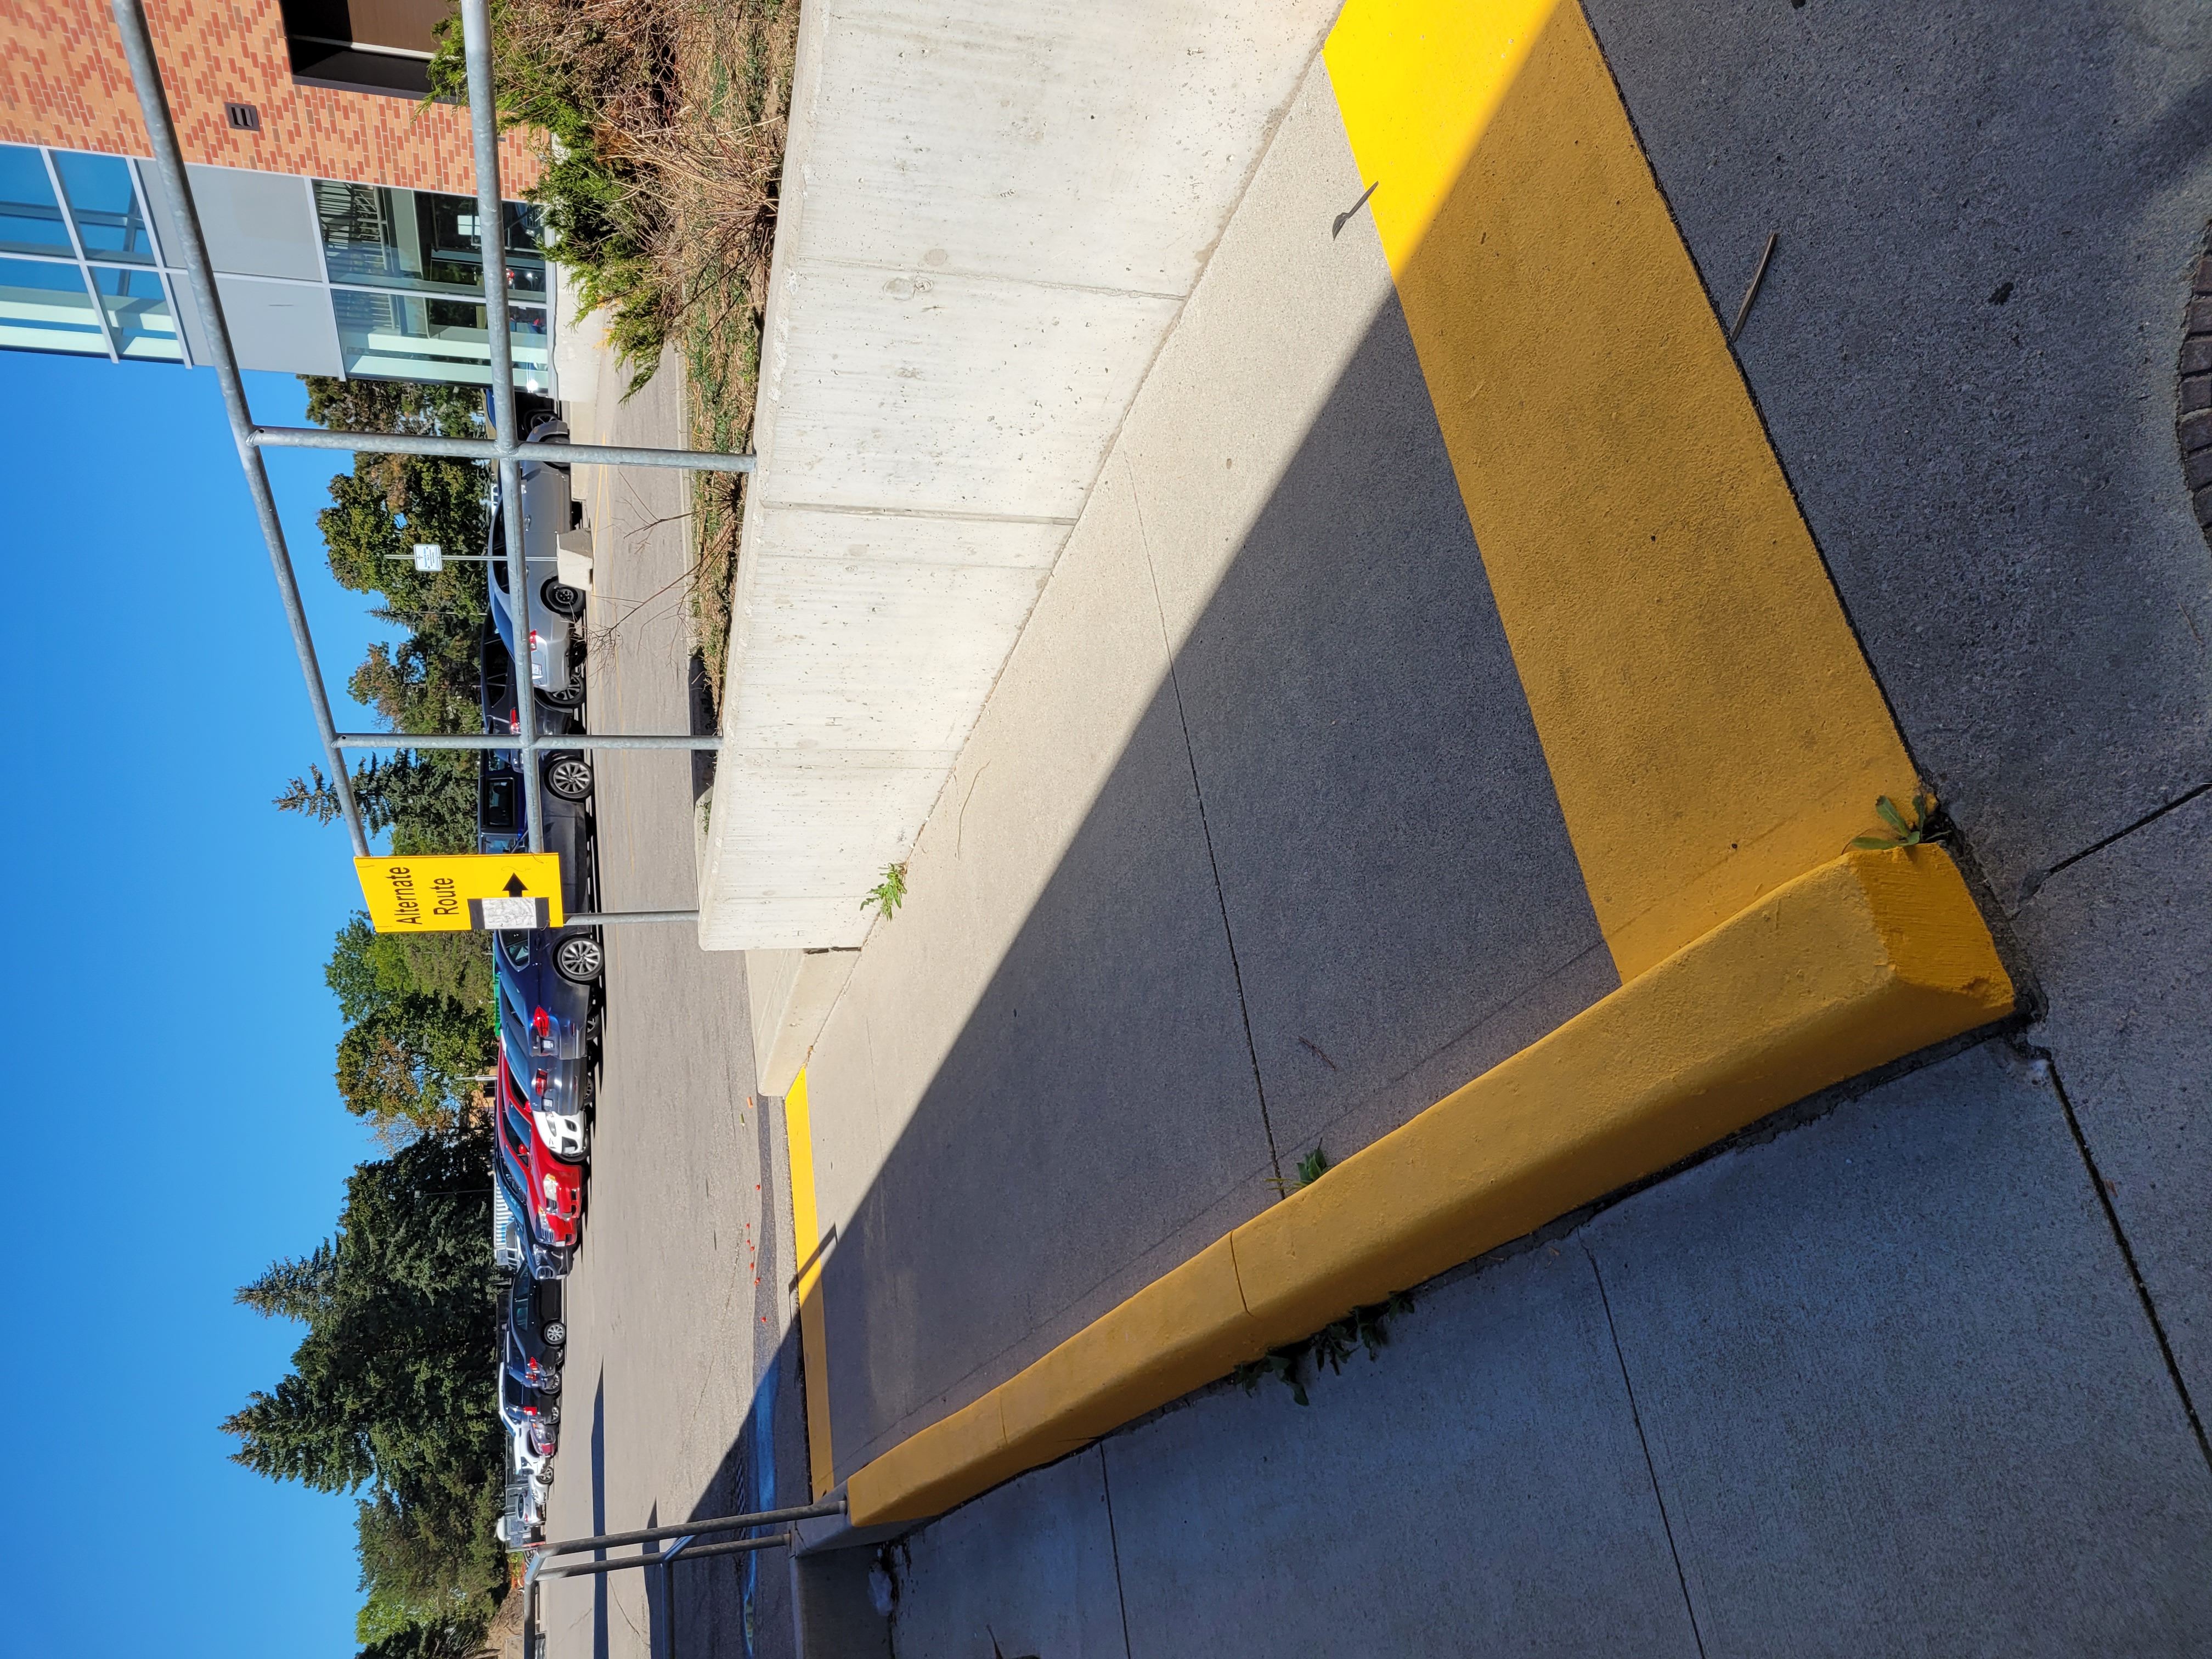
pixel 138 315
pixel 45 308
pixel 29 220
pixel 418 239
pixel 398 337
pixel 526 258
pixel 104 207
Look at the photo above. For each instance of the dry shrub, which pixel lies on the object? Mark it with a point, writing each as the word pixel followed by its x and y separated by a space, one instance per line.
pixel 663 124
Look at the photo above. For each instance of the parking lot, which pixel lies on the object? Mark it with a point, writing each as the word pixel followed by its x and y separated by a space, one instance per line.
pixel 676 1306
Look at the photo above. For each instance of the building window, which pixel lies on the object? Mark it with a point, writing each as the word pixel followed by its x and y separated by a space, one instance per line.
pixel 138 317
pixel 422 240
pixel 404 336
pixel 398 272
pixel 30 220
pixel 104 207
pixel 45 308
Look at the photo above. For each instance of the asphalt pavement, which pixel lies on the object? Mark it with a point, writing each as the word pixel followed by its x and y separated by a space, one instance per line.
pixel 675 1313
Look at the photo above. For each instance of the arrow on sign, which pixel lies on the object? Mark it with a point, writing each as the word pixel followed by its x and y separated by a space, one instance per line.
pixel 515 888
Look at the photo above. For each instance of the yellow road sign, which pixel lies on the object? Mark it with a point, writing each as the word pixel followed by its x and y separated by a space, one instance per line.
pixel 456 892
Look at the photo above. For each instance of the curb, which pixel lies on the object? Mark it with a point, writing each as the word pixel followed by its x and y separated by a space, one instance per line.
pixel 1859 962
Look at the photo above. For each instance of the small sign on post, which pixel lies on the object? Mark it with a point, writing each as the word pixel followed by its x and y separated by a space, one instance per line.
pixel 461 892
pixel 429 556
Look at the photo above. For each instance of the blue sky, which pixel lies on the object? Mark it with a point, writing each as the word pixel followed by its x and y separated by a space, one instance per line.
pixel 170 929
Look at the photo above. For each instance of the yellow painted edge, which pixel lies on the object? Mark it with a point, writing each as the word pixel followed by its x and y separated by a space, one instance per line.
pixel 1863 960
pixel 813 1332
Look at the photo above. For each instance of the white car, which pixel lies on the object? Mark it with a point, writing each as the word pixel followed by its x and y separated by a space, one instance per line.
pixel 556 608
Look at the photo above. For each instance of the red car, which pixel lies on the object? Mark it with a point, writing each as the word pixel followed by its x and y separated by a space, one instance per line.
pixel 555 1186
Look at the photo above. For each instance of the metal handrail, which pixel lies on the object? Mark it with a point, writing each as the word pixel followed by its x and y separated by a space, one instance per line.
pixel 693 1528
pixel 512 744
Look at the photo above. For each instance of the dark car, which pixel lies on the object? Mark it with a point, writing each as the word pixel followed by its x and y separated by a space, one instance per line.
pixel 537 1335
pixel 520 1405
pixel 502 825
pixel 532 1370
pixel 547 1059
pixel 538 1259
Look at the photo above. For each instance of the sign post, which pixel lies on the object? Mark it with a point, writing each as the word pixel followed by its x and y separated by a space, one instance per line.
pixel 461 892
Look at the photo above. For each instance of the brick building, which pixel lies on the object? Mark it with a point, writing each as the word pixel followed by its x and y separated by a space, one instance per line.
pixel 339 208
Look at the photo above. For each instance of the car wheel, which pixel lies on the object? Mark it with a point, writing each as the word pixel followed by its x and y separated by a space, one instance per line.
pixel 578 959
pixel 569 777
pixel 557 1334
pixel 567 701
pixel 553 1411
pixel 559 596
pixel 549 1383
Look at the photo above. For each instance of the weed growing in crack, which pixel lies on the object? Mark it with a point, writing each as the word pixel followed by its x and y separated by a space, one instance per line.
pixel 890 893
pixel 1908 833
pixel 1311 1168
pixel 1331 1346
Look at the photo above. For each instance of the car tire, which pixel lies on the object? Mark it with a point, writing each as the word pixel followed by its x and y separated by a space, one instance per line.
pixel 566 703
pixel 569 776
pixel 558 597
pixel 578 959
pixel 555 1334
pixel 552 1411
pixel 549 1383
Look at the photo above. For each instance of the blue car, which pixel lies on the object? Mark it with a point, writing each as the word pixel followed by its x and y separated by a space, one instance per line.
pixel 548 1064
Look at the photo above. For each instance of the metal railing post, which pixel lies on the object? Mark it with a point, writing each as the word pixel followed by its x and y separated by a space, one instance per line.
pixel 491 242
pixel 169 163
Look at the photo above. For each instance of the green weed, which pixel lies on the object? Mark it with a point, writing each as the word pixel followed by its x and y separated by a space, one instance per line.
pixel 890 893
pixel 1909 833
pixel 1331 1346
pixel 1311 1168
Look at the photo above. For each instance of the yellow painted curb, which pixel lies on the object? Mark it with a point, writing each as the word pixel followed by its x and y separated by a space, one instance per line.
pixel 813 1331
pixel 1710 725
pixel 1865 959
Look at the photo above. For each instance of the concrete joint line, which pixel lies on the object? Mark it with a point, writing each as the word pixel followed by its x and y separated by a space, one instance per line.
pixel 1863 961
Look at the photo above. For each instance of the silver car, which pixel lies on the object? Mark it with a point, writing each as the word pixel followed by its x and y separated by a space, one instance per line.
pixel 556 608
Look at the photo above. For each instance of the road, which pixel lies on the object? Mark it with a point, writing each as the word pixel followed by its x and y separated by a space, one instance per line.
pixel 674 1307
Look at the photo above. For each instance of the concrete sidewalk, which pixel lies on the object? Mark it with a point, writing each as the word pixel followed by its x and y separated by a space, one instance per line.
pixel 1255 848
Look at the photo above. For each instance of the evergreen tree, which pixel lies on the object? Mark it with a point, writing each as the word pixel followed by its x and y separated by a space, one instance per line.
pixel 394 1382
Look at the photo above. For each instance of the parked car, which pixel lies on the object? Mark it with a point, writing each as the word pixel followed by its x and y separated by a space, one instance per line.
pixel 555 1186
pixel 530 1455
pixel 547 508
pixel 502 827
pixel 526 1368
pixel 520 1405
pixel 536 1257
pixel 545 1061
pixel 537 1335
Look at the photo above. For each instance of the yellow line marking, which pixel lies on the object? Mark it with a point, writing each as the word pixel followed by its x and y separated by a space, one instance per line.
pixel 1869 957
pixel 813 1334
pixel 1712 727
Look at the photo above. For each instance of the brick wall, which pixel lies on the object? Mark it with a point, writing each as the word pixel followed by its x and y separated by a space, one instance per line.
pixel 63 82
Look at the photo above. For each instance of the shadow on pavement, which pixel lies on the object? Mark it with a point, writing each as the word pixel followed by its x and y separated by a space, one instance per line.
pixel 1326 882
